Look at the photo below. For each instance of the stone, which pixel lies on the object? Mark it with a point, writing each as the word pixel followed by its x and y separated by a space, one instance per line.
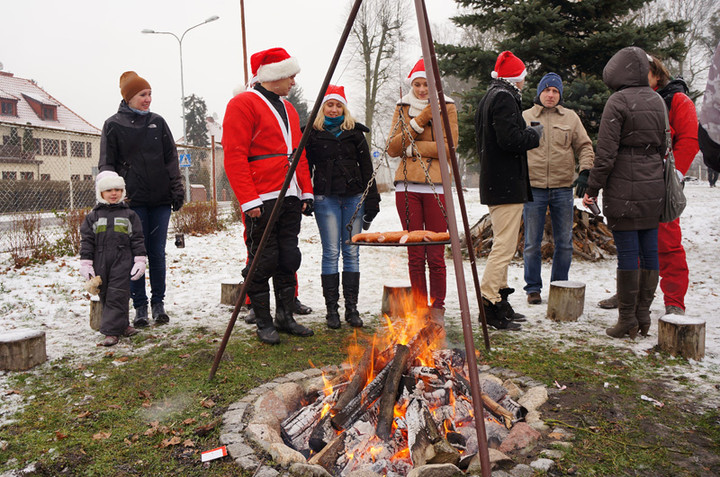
pixel 534 398
pixel 436 470
pixel 238 406
pixel 312 386
pixel 363 473
pixel 230 438
pixel 542 464
pixel 284 455
pixel 233 419
pixel 291 394
pixel 269 409
pixel 521 437
pixel 295 376
pixel 238 449
pixel 513 390
pixel 497 459
pixel 307 470
pixel 312 372
pixel 266 471
pixel 248 462
pixel 562 445
pixel 263 435
pixel 522 470
pixel 561 433
pixel 490 377
pixel 552 454
pixel 500 473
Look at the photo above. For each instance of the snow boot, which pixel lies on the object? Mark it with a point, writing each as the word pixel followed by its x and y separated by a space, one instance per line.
pixel 300 309
pixel 266 332
pixel 496 316
pixel 627 292
pixel 512 315
pixel 609 303
pixel 331 292
pixel 284 321
pixel 250 317
pixel 158 313
pixel 141 317
pixel 646 293
pixel 351 289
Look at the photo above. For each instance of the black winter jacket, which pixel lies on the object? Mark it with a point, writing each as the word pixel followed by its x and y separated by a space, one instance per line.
pixel 502 140
pixel 341 165
pixel 141 149
pixel 631 146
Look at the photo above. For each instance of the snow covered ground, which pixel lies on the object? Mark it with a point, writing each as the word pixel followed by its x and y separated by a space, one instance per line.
pixel 51 297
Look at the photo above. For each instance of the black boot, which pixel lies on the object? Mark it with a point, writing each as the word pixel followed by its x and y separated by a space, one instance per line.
pixel 512 315
pixel 646 293
pixel 627 292
pixel 284 321
pixel 158 313
pixel 331 292
pixel 351 288
pixel 496 316
pixel 301 309
pixel 141 317
pixel 263 319
pixel 250 317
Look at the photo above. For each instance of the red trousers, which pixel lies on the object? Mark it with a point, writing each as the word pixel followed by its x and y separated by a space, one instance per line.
pixel 673 264
pixel 424 213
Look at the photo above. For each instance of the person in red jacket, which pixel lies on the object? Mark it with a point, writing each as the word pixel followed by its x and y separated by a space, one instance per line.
pixel 684 130
pixel 261 131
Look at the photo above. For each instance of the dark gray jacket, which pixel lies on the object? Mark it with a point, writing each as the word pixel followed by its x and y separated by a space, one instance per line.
pixel 141 149
pixel 631 146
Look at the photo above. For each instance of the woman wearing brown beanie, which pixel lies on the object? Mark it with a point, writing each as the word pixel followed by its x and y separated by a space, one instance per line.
pixel 138 145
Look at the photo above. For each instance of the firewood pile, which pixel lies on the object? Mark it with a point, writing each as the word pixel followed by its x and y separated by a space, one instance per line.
pixel 401 407
pixel 592 238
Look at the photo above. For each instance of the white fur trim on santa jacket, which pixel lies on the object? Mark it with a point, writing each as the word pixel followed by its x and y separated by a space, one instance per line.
pixel 257 149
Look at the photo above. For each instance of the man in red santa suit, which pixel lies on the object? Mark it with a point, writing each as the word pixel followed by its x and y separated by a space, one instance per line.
pixel 260 131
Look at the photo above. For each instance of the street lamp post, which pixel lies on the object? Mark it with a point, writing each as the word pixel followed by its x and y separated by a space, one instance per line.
pixel 182 86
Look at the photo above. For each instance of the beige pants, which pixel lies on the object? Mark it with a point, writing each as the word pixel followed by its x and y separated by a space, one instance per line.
pixel 506 220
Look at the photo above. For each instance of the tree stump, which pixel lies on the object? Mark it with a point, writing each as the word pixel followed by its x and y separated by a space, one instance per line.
pixel 229 291
pixel 95 312
pixel 566 300
pixel 22 349
pixel 396 298
pixel 680 335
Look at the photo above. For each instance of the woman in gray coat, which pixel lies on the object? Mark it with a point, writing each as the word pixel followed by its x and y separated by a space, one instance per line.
pixel 629 168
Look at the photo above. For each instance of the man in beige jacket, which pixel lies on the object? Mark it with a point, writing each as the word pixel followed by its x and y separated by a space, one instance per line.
pixel 552 169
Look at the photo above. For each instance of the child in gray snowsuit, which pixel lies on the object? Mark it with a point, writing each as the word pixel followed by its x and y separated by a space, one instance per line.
pixel 112 246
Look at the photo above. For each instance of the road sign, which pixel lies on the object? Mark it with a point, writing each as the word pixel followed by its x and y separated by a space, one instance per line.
pixel 184 160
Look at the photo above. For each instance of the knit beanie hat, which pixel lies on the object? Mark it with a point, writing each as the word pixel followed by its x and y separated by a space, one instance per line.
pixel 335 92
pixel 272 65
pixel 131 84
pixel 418 71
pixel 107 180
pixel 550 79
pixel 509 67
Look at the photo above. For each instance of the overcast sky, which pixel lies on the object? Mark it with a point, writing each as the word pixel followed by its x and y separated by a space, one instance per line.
pixel 77 49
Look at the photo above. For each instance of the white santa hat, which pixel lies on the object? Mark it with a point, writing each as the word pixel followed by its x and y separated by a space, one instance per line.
pixel 335 92
pixel 273 64
pixel 509 67
pixel 107 180
pixel 418 71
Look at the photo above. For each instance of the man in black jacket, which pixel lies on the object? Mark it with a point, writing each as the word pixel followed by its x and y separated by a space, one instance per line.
pixel 503 139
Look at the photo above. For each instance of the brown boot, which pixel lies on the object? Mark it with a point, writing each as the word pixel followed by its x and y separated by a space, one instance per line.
pixel 627 291
pixel 609 303
pixel 646 294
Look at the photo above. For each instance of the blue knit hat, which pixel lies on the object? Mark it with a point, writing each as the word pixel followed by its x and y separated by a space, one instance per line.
pixel 550 79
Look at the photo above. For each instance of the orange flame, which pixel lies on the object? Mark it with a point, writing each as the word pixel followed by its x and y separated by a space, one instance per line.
pixel 327 386
pixel 402 454
pixel 326 408
pixel 374 451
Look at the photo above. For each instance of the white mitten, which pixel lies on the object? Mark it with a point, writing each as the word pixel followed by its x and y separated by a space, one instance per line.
pixel 86 269
pixel 138 270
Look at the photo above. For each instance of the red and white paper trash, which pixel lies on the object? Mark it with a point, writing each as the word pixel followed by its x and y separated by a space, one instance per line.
pixel 213 454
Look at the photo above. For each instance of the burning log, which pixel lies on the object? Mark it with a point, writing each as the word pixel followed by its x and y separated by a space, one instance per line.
pixel 296 428
pixel 389 395
pixel 328 457
pixel 426 444
pixel 497 409
pixel 360 403
pixel 358 381
pixel 318 436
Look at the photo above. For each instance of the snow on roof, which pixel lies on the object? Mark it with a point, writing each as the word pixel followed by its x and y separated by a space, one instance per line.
pixel 15 88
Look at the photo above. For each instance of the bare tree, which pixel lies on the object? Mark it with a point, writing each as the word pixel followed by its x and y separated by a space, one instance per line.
pixel 700 16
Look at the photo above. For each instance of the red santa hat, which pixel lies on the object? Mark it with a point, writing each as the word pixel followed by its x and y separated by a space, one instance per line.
pixel 272 65
pixel 418 71
pixel 335 92
pixel 509 67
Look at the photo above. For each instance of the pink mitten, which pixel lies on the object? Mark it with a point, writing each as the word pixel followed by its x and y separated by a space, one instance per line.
pixel 86 269
pixel 138 270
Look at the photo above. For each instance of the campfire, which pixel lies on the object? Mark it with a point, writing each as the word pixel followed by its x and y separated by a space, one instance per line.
pixel 405 402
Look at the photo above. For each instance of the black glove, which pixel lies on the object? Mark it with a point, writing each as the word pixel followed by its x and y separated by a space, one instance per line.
pixel 580 183
pixel 177 203
pixel 310 208
pixel 369 217
pixel 537 129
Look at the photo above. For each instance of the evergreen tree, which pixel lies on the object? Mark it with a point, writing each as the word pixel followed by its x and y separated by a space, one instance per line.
pixel 573 39
pixel 195 125
pixel 296 98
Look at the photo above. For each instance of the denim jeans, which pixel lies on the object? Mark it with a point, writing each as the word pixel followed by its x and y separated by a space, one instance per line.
pixel 155 222
pixel 637 246
pixel 333 213
pixel 560 201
